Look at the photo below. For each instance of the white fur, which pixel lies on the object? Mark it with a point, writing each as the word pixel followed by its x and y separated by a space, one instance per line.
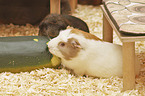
pixel 96 58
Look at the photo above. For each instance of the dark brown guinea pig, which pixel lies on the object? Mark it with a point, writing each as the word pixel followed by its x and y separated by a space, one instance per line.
pixel 53 23
pixel 90 2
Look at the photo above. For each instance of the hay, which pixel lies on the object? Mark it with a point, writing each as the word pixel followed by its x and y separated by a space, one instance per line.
pixel 59 82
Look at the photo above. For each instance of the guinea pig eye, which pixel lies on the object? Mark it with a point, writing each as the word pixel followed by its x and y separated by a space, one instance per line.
pixel 62 44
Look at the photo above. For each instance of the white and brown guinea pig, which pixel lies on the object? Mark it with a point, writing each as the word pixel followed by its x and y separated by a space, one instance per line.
pixel 86 54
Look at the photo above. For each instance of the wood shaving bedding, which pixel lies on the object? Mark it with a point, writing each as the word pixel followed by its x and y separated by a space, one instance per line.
pixel 16 30
pixel 59 82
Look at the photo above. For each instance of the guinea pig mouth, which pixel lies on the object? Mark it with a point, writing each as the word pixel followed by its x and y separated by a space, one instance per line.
pixel 54 52
pixel 51 51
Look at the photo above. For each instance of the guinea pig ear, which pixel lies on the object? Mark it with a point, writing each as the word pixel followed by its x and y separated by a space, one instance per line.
pixel 75 43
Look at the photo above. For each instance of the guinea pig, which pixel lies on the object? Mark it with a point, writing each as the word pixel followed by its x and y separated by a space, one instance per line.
pixel 86 54
pixel 65 7
pixel 90 2
pixel 53 23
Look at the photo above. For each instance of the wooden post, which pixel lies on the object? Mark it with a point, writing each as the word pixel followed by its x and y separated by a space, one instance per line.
pixel 55 6
pixel 73 4
pixel 107 30
pixel 128 65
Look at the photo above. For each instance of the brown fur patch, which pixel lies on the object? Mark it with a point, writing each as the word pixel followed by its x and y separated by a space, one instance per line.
pixel 69 49
pixel 85 34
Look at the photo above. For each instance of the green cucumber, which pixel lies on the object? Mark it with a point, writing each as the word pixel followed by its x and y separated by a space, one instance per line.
pixel 25 53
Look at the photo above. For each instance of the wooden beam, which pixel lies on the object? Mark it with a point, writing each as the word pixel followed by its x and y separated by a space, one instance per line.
pixel 107 30
pixel 55 6
pixel 128 65
pixel 73 4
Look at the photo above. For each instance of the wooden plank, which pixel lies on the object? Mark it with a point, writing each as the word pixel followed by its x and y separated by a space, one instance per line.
pixel 132 38
pixel 55 6
pixel 73 4
pixel 128 65
pixel 107 31
pixel 123 38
